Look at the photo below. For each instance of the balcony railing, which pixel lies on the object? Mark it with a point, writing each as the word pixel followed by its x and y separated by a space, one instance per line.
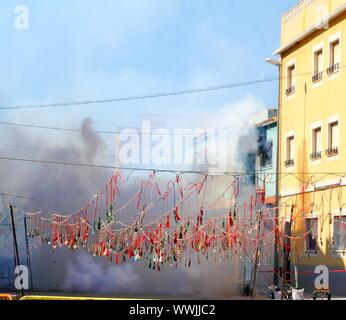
pixel 333 69
pixel 316 155
pixel 331 152
pixel 289 163
pixel 290 90
pixel 317 77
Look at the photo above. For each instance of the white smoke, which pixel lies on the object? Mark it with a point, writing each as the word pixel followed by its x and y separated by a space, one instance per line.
pixel 86 275
pixel 83 273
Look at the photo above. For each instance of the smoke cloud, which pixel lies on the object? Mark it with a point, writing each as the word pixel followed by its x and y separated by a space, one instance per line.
pixel 88 275
pixel 66 189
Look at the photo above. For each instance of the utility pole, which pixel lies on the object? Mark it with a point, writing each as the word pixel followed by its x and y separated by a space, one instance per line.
pixel 278 64
pixel 258 255
pixel 15 244
pixel 286 272
pixel 28 259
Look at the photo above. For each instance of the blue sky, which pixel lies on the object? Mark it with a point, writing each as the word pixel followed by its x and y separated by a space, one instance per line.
pixel 83 49
pixel 76 50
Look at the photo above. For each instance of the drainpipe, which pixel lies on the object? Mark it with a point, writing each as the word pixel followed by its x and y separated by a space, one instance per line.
pixel 277 186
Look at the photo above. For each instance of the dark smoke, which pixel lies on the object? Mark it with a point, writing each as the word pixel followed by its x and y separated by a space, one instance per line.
pixel 66 189
pixel 62 189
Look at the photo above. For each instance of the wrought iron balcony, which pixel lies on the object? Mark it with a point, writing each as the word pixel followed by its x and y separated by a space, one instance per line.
pixel 331 152
pixel 316 155
pixel 289 163
pixel 333 69
pixel 290 90
pixel 317 77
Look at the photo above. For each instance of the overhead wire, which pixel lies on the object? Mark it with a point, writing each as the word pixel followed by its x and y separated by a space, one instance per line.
pixel 141 97
pixel 205 172
pixel 25 125
pixel 153 95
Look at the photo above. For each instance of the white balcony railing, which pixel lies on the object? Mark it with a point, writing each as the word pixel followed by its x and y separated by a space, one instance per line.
pixel 297 9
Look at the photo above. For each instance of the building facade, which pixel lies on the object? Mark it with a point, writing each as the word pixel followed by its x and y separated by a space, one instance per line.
pixel 312 143
pixel 266 157
pixel 259 160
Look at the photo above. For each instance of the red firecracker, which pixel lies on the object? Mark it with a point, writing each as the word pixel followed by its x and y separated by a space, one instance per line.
pixel 85 232
pixel 176 214
pixel 201 216
pixel 175 238
pixel 138 241
pixel 151 238
pixel 230 220
pixel 168 222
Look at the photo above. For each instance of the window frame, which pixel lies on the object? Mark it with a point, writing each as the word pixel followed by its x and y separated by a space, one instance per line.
pixel 316 155
pixel 310 252
pixel 317 56
pixel 270 142
pixel 329 136
pixel 289 152
pixel 317 74
pixel 338 252
pixel 333 70
pixel 290 80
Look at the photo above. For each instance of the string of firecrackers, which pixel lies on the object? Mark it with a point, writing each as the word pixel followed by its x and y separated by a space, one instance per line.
pixel 137 197
pixel 146 235
pixel 191 236
pixel 101 253
pixel 271 218
pixel 149 236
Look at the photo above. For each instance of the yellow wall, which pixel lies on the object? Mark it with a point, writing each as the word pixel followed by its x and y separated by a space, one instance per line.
pixel 310 104
pixel 304 15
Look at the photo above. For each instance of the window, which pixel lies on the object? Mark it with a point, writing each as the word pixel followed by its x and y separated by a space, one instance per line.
pixel 339 236
pixel 266 154
pixel 318 66
pixel 311 228
pixel 333 139
pixel 334 57
pixel 291 79
pixel 289 151
pixel 269 153
pixel 316 144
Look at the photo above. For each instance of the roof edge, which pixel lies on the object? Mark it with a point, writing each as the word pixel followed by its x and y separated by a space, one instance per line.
pixel 267 122
pixel 310 30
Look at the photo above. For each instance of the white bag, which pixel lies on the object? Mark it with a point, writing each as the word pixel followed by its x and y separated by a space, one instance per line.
pixel 277 295
pixel 298 294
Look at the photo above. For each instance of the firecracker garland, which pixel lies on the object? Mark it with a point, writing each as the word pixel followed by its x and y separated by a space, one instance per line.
pixel 174 238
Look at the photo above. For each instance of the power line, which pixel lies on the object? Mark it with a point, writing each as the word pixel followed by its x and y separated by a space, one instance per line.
pixel 155 95
pixel 16 196
pixel 110 156
pixel 210 173
pixel 141 97
pixel 75 164
pixel 98 131
pixel 158 94
pixel 23 147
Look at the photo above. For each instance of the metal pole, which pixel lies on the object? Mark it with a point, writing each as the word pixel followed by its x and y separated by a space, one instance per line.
pixel 278 163
pixel 286 255
pixel 15 244
pixel 28 258
pixel 296 276
pixel 258 254
pixel 277 186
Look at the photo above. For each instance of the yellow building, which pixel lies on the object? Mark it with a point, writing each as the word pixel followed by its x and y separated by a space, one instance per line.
pixel 312 135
